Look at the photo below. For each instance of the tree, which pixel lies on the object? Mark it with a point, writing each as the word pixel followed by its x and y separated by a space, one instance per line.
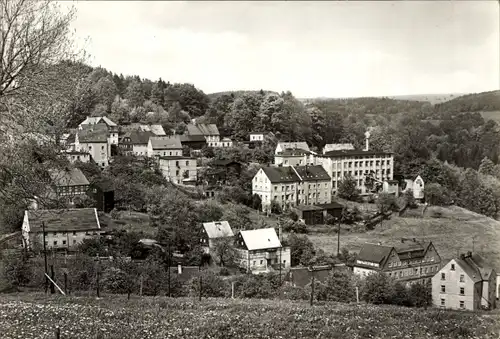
pixel 135 94
pixel 16 270
pixel 256 202
pixel 435 194
pixel 106 91
pixel 347 188
pixel 409 199
pixel 224 251
pixel 400 295
pixel 377 289
pixel 386 202
pixel 276 208
pixel 421 294
pixel 339 287
pixel 487 166
pixel 302 249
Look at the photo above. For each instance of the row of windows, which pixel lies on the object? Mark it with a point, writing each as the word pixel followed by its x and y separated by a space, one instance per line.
pixel 413 271
pixel 275 261
pixel 443 289
pixel 55 243
pixel 55 234
pixel 73 189
pixel 461 303
pixel 176 153
pixel 443 277
pixel 409 262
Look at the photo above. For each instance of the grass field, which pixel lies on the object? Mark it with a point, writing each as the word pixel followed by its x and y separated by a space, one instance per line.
pixel 455 231
pixel 493 115
pixel 113 317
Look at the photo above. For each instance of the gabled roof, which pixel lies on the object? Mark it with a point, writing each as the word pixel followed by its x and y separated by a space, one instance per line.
pixel 473 273
pixel 202 129
pixel 166 142
pixel 312 173
pixel 156 129
pixel 76 219
pixel 260 239
pixel 281 174
pixel 69 177
pixel 374 253
pixel 476 261
pixel 193 138
pixel 411 249
pixel 97 120
pixel 223 162
pixel 138 137
pixel 294 145
pixel 218 229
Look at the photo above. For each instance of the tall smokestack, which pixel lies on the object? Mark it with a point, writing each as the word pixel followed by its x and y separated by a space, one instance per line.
pixel 367 141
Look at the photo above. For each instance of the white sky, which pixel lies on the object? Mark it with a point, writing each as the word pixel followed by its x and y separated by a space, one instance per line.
pixel 313 49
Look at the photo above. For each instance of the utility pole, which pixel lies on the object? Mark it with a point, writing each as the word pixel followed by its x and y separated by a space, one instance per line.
pixel 45 257
pixel 338 240
pixel 312 287
pixel 97 277
pixel 169 264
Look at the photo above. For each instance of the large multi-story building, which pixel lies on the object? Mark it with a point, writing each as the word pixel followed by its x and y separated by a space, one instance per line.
pixel 294 157
pixel 111 127
pixel 409 261
pixel 466 282
pixel 165 146
pixel 291 186
pixel 178 169
pixel 136 142
pixel 93 139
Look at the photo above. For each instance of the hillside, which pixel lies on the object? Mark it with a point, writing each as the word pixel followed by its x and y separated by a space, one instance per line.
pixel 451 233
pixel 36 316
pixel 213 96
pixel 485 101
pixel 431 98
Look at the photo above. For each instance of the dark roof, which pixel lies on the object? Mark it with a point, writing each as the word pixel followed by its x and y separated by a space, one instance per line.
pixel 68 177
pixel 301 276
pixel 138 137
pixel 76 219
pixel 71 138
pixel 193 138
pixel 308 208
pixel 332 205
pixel 343 153
pixel 170 142
pixel 480 265
pixel 258 132
pixel 374 253
pixel 312 173
pixel 224 162
pixel 281 174
pixel 93 133
pixel 202 129
pixel 411 249
pixel 471 270
pixel 290 152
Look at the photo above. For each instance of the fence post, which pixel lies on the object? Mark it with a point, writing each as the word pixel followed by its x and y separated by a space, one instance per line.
pixel 97 278
pixel 140 286
pixel 201 288
pixel 52 276
pixel 232 290
pixel 58 333
pixel 65 283
pixel 312 289
pixel 357 294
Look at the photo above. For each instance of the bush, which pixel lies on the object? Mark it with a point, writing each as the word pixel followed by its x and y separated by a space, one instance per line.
pixel 254 286
pixel 115 214
pixel 377 289
pixel 212 286
pixel 421 295
pixel 289 292
pixel 16 270
pixel 339 287
pixel 295 227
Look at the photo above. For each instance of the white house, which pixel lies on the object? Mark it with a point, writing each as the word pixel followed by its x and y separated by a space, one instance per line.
pixel 417 185
pixel 257 136
pixel 337 147
pixel 165 146
pixel 261 251
pixel 93 139
pixel 64 229
pixel 136 142
pixel 291 145
pixel 213 232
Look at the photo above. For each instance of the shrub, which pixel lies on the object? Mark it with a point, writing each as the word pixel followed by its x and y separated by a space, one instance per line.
pixel 421 295
pixel 254 286
pixel 16 270
pixel 339 287
pixel 115 214
pixel 295 227
pixel 347 189
pixel 212 285
pixel 377 289
pixel 400 295
pixel 289 292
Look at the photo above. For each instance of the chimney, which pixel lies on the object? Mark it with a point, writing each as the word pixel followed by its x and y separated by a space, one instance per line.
pixel 462 256
pixel 367 141
pixel 179 269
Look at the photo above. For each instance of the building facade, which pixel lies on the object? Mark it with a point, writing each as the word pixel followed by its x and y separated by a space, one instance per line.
pixel 282 146
pixel 260 251
pixel 64 229
pixel 465 283
pixel 178 169
pixel 93 139
pixel 257 136
pixel 293 157
pixel 214 232
pixel 69 183
pixel 169 146
pixel 74 156
pixel 410 261
pixel 209 131
pixel 112 127
pixel 136 142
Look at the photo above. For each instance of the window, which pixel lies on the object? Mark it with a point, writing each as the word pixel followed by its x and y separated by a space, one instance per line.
pixel 462 290
pixel 452 267
pixel 74 241
pixel 254 262
pixel 64 242
pixel 442 302
pixel 55 234
pixel 102 148
pixel 55 242
pixel 462 304
pixel 443 276
pixel 261 262
pixel 443 289
pixel 90 148
pixel 187 163
pixel 462 278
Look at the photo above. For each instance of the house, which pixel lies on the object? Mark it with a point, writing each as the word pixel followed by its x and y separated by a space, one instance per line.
pixel 337 147
pixel 74 156
pixel 194 142
pixel 93 139
pixel 209 131
pixel 292 186
pixel 111 127
pixel 257 136
pixel 261 251
pixel 224 143
pixel 70 182
pixel 333 208
pixel 178 169
pixel 213 232
pixel 64 229
pixel 410 261
pixel 103 192
pixel 294 157
pixel 317 214
pixel 165 146
pixel 417 185
pixel 156 129
pixel 221 169
pixel 466 282
pixel 136 142
pixel 291 145
pixel 391 187
pixel 302 276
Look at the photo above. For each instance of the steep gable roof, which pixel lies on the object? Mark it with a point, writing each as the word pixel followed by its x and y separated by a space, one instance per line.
pixel 478 262
pixel 138 137
pixel 76 219
pixel 166 142
pixel 97 120
pixel 202 129
pixel 312 173
pixel 69 177
pixel 93 133
pixel 260 239
pixel 411 249
pixel 281 174
pixel 470 270
pixel 218 229
pixel 374 253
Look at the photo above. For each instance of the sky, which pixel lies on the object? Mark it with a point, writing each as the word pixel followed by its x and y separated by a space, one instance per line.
pixel 313 49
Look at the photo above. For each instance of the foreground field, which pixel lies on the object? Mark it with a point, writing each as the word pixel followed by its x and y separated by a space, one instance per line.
pixel 452 230
pixel 35 316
